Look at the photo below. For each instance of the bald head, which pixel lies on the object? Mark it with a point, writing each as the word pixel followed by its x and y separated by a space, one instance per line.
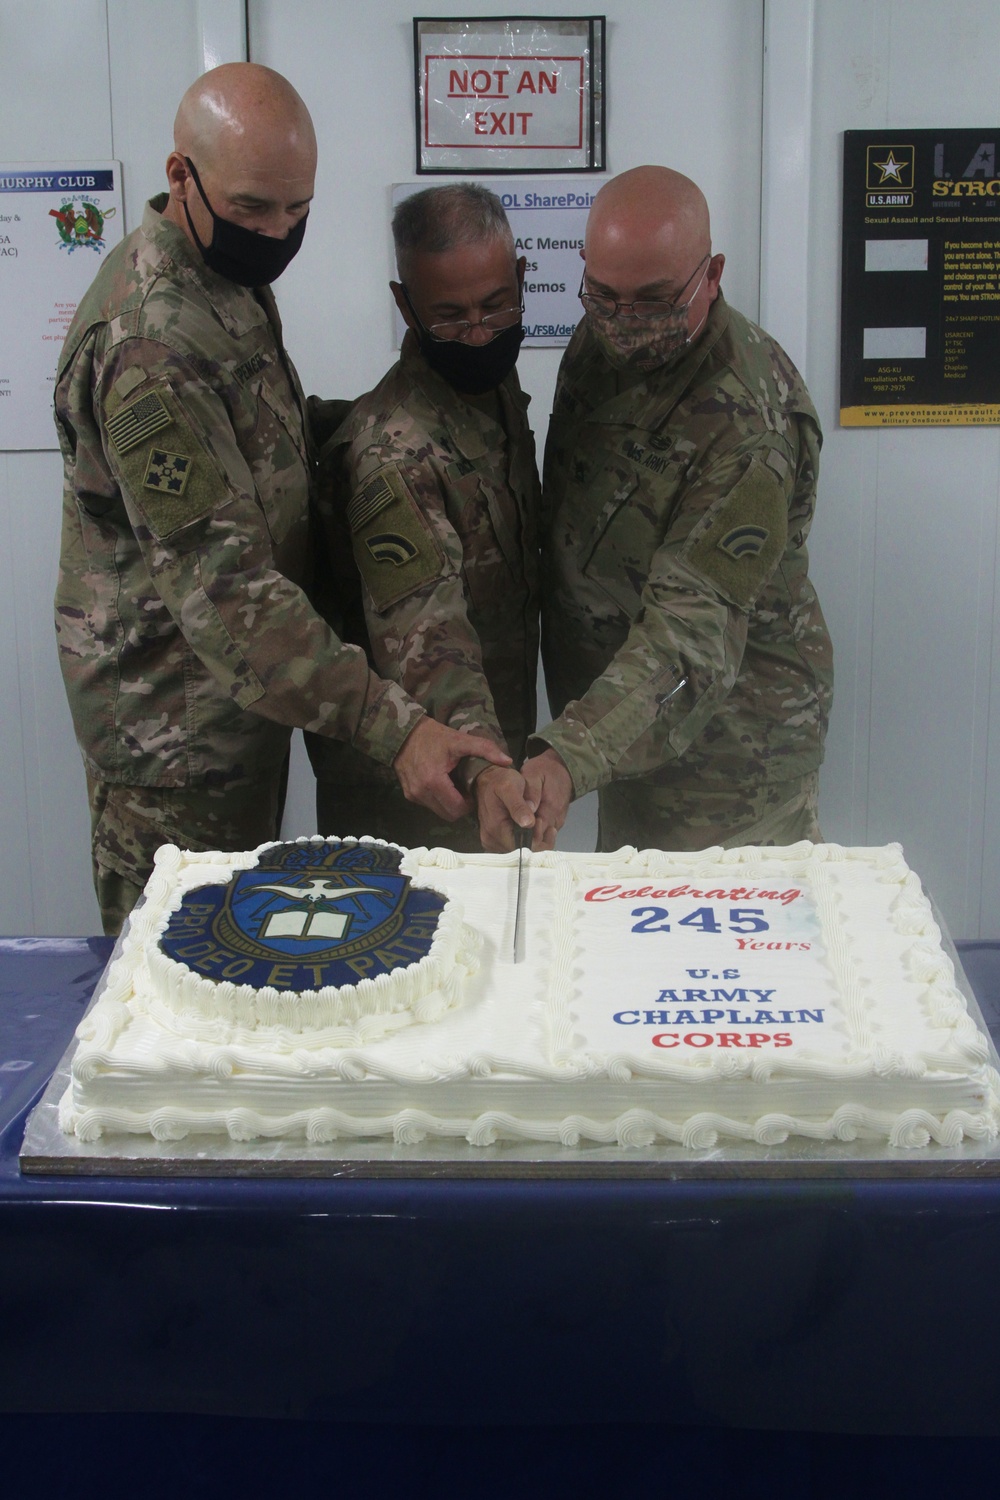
pixel 648 237
pixel 242 107
pixel 649 223
pixel 652 206
pixel 252 143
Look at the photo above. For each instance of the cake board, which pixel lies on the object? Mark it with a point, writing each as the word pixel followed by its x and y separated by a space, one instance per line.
pixel 48 1151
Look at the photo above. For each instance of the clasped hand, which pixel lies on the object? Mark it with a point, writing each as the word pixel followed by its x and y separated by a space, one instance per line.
pixel 537 797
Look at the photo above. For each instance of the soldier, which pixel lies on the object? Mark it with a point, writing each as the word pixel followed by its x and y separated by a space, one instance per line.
pixel 187 645
pixel 685 653
pixel 431 481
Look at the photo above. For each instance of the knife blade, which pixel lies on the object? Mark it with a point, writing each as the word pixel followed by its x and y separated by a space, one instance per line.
pixel 523 835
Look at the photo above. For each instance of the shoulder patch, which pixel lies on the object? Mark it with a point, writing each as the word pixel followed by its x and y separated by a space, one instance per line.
pixel 368 502
pixel 394 548
pixel 746 538
pixel 170 486
pixel 167 472
pixel 137 421
pixel 744 541
pixel 388 547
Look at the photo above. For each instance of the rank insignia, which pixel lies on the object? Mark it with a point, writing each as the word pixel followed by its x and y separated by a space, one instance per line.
pixel 390 547
pixel 167 472
pixel 744 541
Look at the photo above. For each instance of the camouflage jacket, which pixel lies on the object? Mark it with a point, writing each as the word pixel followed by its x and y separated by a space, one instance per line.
pixel 677 508
pixel 439 506
pixel 186 643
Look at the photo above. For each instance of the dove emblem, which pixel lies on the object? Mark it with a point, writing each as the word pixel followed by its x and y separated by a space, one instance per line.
pixel 316 921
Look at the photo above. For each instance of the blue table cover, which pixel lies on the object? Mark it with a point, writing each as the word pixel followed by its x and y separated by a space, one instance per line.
pixel 824 1307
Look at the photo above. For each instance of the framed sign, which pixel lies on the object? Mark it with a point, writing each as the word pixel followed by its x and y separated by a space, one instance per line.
pixel 920 297
pixel 58 220
pixel 509 94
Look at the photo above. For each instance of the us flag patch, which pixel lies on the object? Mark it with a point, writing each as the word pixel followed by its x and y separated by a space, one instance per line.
pixel 367 503
pixel 135 423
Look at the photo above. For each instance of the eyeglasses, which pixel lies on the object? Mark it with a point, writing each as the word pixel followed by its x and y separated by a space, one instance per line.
pixel 494 323
pixel 607 307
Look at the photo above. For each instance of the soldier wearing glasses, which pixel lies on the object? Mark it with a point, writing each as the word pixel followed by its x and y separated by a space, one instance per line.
pixel 685 652
pixel 431 486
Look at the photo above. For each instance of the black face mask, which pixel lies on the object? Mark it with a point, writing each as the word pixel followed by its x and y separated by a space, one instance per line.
pixel 470 369
pixel 240 254
pixel 474 369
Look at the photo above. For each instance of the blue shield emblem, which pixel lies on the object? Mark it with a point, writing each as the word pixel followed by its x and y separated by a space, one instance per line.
pixel 308 916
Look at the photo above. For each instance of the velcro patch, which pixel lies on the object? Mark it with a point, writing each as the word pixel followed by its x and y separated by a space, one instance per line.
pixel 394 548
pixel 172 488
pixel 388 547
pixel 747 537
pixel 168 472
pixel 137 422
pixel 640 454
pixel 251 366
pixel 367 503
pixel 744 541
pixel 128 380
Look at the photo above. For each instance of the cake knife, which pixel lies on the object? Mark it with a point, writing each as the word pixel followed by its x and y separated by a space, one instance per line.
pixel 523 834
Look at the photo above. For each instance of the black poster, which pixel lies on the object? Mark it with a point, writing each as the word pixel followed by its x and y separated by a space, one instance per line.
pixel 920 290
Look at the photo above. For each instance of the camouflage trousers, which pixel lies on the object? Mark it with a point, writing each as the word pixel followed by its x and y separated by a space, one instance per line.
pixel 689 816
pixel 355 795
pixel 129 823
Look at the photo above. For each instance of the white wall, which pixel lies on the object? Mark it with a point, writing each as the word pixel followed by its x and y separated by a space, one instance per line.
pixel 905 542
pixel 904 546
pixel 78 79
pixel 353 65
pixel 684 87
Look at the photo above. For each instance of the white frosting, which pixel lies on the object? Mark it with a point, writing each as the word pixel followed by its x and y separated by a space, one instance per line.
pixel 746 994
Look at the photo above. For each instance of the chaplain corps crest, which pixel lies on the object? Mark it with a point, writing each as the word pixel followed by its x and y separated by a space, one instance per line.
pixel 306 916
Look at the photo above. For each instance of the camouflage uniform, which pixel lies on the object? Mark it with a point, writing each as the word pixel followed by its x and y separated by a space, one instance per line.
pixel 186 643
pixel 438 504
pixel 677 507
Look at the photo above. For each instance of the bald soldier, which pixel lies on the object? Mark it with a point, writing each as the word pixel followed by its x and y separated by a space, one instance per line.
pixel 433 485
pixel 686 656
pixel 187 644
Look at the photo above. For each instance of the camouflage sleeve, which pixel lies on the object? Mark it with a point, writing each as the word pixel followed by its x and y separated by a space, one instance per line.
pixel 191 500
pixel 683 652
pixel 410 558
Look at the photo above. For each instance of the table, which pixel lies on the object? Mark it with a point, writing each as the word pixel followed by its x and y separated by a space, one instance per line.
pixel 824 1307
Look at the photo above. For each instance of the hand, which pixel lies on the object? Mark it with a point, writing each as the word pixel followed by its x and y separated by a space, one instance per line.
pixel 502 808
pixel 548 786
pixel 430 752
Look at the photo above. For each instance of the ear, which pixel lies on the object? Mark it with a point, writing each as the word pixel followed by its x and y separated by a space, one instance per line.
pixel 405 311
pixel 178 177
pixel 521 266
pixel 714 275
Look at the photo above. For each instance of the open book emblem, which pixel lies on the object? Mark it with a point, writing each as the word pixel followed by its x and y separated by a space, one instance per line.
pixel 314 915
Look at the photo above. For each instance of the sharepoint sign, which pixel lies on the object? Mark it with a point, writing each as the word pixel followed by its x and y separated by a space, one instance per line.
pixel 548 222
